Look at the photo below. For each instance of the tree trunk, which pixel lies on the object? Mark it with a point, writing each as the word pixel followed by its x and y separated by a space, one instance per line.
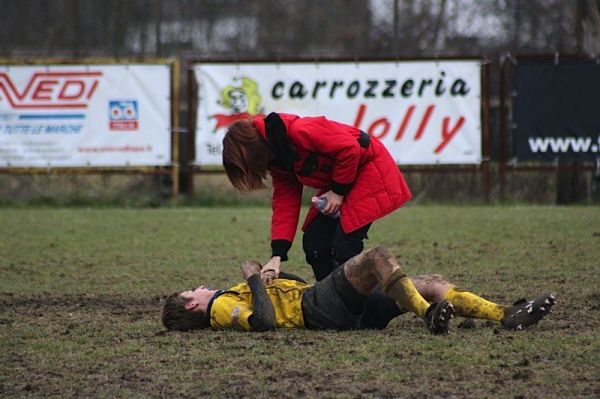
pixel 571 187
pixel 438 24
pixel 158 27
pixel 76 38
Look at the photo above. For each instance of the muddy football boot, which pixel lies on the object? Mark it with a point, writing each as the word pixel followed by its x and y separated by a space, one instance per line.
pixel 524 313
pixel 438 317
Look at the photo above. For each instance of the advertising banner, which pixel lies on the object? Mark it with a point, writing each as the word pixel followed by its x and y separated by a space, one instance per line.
pixel 425 112
pixel 553 111
pixel 85 115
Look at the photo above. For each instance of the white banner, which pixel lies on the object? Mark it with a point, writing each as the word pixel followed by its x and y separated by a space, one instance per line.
pixel 425 112
pixel 85 115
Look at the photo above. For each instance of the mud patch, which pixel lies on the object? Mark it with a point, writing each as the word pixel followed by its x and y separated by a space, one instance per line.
pixel 42 301
pixel 466 324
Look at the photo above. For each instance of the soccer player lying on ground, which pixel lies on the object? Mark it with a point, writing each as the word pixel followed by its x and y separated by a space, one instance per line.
pixel 338 301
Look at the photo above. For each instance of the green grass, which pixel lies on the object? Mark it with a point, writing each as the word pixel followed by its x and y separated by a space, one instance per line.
pixel 81 291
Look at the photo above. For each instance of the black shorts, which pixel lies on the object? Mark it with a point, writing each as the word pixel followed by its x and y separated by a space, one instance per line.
pixel 324 308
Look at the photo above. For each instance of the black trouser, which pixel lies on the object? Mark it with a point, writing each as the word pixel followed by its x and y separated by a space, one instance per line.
pixel 326 247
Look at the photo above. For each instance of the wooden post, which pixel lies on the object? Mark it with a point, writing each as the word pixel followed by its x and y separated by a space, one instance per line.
pixel 503 126
pixel 486 130
pixel 175 129
pixel 191 133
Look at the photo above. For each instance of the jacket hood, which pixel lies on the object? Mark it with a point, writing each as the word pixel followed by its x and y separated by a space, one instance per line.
pixel 259 122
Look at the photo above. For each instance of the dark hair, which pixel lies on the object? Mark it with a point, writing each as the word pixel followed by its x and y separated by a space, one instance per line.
pixel 245 156
pixel 176 317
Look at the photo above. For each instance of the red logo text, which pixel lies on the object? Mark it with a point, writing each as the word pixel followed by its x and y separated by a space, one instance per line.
pixel 51 90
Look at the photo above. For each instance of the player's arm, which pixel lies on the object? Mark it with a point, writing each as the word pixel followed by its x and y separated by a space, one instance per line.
pixel 263 314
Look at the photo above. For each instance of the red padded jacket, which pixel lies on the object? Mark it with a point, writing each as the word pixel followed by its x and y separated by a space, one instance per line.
pixel 328 155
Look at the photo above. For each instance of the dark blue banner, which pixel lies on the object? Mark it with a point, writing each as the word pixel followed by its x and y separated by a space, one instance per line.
pixel 556 111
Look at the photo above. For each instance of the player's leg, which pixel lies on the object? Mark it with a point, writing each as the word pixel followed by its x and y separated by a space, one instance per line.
pixel 326 246
pixel 522 314
pixel 333 303
pixel 436 288
pixel 378 266
pixel 379 308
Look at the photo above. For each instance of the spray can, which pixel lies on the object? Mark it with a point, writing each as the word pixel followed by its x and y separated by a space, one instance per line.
pixel 320 203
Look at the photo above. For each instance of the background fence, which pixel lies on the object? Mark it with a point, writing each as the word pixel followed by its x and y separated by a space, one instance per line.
pixel 283 29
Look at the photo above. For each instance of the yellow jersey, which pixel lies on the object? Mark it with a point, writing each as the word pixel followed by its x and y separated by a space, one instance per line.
pixel 233 307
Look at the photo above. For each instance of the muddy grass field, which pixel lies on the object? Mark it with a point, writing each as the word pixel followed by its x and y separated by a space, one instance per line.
pixel 81 292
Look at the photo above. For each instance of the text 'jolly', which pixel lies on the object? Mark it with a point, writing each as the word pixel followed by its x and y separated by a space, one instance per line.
pixel 381 127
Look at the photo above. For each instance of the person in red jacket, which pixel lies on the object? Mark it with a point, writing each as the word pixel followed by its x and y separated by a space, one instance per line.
pixel 353 171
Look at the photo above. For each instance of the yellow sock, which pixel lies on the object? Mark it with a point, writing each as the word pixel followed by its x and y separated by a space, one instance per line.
pixel 403 291
pixel 467 304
